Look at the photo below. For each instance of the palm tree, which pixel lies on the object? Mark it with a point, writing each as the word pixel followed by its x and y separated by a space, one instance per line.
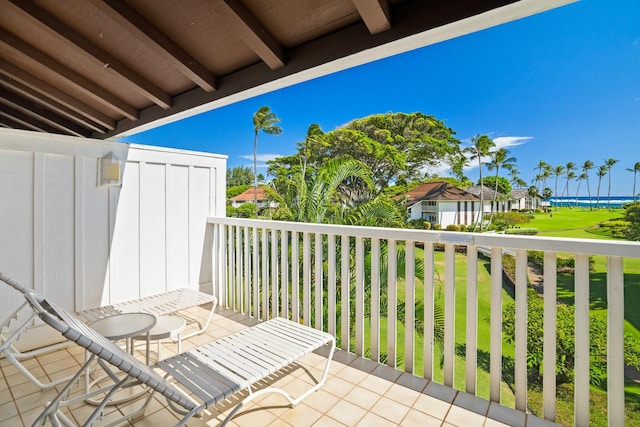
pixel 635 170
pixel 608 163
pixel 266 121
pixel 542 166
pixel 569 168
pixel 499 158
pixel 557 171
pixel 481 147
pixel 582 176
pixel 546 174
pixel 586 167
pixel 602 171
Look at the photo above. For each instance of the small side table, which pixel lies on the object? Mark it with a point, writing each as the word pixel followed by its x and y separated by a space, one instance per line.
pixel 166 327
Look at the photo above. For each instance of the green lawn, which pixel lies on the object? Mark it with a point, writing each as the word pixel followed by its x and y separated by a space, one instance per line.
pixel 564 221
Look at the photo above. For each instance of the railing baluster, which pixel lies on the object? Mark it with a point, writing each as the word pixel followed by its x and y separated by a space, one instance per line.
pixel 429 275
pixel 255 282
pixel 520 373
pixel 247 272
pixel 359 309
pixel 231 269
pixel 581 375
pixel 409 307
pixel 449 313
pixel 331 279
pixel 392 304
pixel 375 300
pixel 471 357
pixel 495 327
pixel 265 274
pixel 615 345
pixel 275 286
pixel 284 270
pixel 345 292
pixel 549 336
pixel 239 276
pixel 306 280
pixel 295 277
pixel 319 280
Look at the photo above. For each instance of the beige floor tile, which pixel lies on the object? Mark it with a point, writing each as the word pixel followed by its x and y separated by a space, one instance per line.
pixel 373 420
pixel 464 418
pixel 432 406
pixel 347 413
pixel 8 410
pixel 338 387
pixel 321 400
pixel 390 410
pixel 402 394
pixel 362 397
pixel 375 384
pixel 302 415
pixel 326 421
pixel 416 418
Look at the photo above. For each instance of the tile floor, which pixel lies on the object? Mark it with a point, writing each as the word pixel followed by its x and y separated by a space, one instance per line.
pixel 357 393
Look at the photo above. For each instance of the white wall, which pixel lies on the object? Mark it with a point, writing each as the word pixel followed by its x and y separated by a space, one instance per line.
pixel 82 245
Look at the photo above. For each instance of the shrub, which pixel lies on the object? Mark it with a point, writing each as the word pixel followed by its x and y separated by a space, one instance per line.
pixel 452 227
pixel 427 225
pixel 437 226
pixel 526 231
pixel 563 265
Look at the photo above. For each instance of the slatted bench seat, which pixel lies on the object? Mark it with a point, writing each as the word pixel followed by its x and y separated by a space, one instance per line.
pixel 211 373
pixel 159 305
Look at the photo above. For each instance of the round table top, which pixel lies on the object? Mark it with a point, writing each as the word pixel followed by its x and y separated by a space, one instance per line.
pixel 165 327
pixel 125 325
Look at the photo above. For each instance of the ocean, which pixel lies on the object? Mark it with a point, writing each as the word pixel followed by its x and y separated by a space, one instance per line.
pixel 583 201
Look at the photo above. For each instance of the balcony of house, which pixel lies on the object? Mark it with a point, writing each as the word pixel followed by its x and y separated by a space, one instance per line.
pixel 420 335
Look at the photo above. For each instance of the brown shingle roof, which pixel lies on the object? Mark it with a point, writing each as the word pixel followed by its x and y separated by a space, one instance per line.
pixel 488 192
pixel 438 191
pixel 248 195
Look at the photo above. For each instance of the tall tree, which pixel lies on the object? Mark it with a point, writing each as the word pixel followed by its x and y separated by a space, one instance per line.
pixel 542 166
pixel 602 172
pixel 635 170
pixel 499 158
pixel 263 121
pixel 569 175
pixel 586 167
pixel 580 178
pixel 239 175
pixel 481 146
pixel 609 163
pixel 557 171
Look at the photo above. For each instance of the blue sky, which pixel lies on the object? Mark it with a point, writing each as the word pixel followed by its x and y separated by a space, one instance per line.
pixel 559 86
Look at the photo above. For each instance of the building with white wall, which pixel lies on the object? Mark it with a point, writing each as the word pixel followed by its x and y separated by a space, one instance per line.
pixel 442 203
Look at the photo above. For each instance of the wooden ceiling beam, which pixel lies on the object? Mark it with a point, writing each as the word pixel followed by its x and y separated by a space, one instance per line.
pixel 27 122
pixel 40 113
pixel 375 14
pixel 54 26
pixel 89 88
pixel 251 31
pixel 54 106
pixel 63 98
pixel 147 33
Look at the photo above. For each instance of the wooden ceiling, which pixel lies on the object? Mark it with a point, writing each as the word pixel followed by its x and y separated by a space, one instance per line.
pixel 103 68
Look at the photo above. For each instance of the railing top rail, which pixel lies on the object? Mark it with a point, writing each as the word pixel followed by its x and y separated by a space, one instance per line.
pixel 556 244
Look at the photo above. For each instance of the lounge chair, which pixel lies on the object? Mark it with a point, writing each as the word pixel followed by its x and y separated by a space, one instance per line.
pixel 161 304
pixel 211 373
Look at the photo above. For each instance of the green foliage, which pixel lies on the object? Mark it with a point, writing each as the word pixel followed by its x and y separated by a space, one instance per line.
pixel 632 215
pixel 504 220
pixel 234 191
pixel 245 210
pixel 523 231
pixel 547 193
pixel 565 341
pixel 397 146
pixel 562 263
pixel 504 186
pixel 239 175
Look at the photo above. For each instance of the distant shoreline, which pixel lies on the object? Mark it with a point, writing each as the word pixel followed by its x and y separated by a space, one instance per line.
pixel 583 201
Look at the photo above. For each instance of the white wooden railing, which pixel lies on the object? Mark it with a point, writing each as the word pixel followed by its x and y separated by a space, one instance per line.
pixel 298 271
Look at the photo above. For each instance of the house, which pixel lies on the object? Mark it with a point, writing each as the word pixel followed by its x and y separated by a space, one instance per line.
pixel 521 199
pixel 488 195
pixel 249 196
pixel 442 203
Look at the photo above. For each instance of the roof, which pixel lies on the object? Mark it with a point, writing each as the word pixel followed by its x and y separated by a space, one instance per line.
pixel 107 68
pixel 488 193
pixel 249 195
pixel 437 191
pixel 519 193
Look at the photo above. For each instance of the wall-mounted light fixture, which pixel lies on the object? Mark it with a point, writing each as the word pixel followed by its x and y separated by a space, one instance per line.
pixel 109 171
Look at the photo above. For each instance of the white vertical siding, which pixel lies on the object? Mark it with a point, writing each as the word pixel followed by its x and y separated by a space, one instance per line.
pixel 84 245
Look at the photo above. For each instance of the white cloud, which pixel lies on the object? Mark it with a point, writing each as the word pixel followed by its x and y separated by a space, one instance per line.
pixel 511 141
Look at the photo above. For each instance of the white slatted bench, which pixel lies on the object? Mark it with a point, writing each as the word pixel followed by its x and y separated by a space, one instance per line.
pixel 159 305
pixel 212 372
